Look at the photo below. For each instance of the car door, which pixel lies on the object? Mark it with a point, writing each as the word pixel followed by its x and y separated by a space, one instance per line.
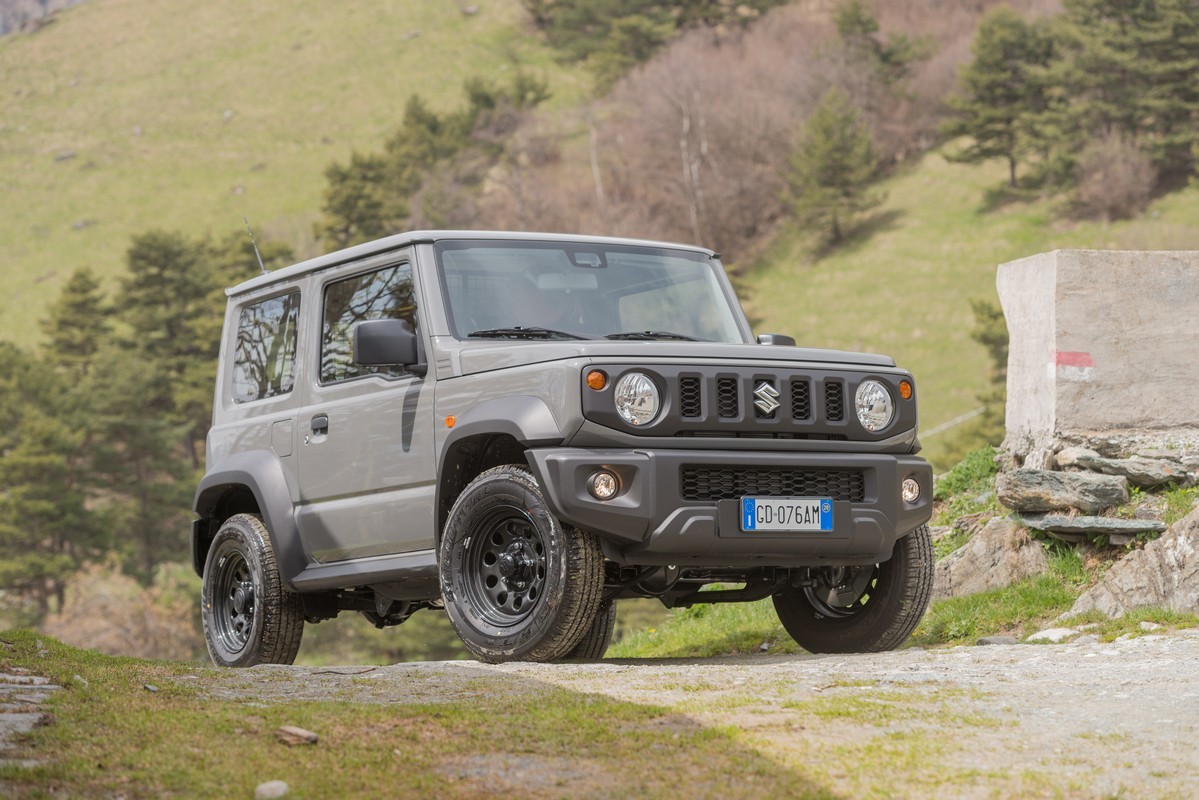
pixel 366 459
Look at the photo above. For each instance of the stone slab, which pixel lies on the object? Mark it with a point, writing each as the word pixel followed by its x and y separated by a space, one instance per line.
pixel 1096 340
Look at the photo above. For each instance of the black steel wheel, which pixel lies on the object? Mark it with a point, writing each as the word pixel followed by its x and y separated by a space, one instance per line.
pixel 249 617
pixel 861 609
pixel 517 585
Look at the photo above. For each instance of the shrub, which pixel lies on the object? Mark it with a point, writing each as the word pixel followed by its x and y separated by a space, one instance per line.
pixel 1115 179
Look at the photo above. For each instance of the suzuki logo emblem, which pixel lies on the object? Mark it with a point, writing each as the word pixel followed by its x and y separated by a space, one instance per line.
pixel 768 398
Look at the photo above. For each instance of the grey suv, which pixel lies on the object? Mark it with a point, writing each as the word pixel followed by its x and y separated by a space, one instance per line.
pixel 523 429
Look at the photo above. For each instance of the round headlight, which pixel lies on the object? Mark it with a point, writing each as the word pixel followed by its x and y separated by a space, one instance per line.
pixel 874 406
pixel 636 398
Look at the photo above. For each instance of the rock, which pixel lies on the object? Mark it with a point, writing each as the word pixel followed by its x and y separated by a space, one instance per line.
pixel 1054 635
pixel 1059 523
pixel 986 640
pixel 1032 490
pixel 290 734
pixel 1165 573
pixel 270 789
pixel 1149 626
pixel 998 555
pixel 939 532
pixel 1147 473
pixel 1039 458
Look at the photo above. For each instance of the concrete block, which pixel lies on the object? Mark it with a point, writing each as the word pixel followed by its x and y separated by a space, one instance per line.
pixel 1101 342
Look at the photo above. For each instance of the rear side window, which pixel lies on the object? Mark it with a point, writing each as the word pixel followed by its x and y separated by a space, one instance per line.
pixel 384 294
pixel 264 362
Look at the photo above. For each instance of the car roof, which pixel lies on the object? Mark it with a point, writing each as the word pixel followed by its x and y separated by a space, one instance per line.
pixel 401 240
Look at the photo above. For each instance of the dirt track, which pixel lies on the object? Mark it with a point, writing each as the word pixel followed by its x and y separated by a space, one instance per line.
pixel 1076 720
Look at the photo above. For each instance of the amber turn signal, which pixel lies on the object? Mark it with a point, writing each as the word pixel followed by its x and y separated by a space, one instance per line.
pixel 449 421
pixel 905 390
pixel 597 379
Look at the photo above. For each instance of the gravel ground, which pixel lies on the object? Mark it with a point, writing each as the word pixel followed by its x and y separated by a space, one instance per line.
pixel 1086 719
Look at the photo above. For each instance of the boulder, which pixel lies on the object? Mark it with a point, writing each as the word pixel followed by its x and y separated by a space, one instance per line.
pixel 998 555
pixel 1036 490
pixel 1060 523
pixel 1147 473
pixel 1165 573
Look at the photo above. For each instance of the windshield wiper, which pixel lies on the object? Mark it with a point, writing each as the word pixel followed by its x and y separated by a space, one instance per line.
pixel 651 336
pixel 523 333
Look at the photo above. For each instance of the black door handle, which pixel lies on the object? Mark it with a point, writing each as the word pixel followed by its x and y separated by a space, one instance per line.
pixel 320 424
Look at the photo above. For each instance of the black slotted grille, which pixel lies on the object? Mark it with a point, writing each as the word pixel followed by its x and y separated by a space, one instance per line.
pixel 801 400
pixel 834 401
pixel 690 397
pixel 727 400
pixel 707 484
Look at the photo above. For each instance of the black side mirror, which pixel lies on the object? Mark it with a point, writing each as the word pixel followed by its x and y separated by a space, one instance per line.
pixel 779 339
pixel 384 342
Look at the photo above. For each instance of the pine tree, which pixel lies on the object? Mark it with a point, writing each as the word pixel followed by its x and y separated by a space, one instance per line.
pixel 46 529
pixel 833 167
pixel 999 90
pixel 77 323
pixel 1126 68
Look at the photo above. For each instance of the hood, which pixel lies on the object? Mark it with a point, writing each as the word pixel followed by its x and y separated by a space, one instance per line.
pixel 484 356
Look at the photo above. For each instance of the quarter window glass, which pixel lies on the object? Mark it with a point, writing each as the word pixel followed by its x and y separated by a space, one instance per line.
pixel 264 362
pixel 386 294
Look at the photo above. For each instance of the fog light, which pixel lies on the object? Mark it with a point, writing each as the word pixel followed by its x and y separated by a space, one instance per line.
pixel 603 485
pixel 910 490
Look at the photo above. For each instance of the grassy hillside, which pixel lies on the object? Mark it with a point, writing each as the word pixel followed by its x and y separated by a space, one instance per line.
pixel 904 282
pixel 126 115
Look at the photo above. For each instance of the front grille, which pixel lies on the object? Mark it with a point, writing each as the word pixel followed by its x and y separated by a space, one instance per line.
pixel 834 401
pixel 801 400
pixel 708 484
pixel 726 398
pixel 690 403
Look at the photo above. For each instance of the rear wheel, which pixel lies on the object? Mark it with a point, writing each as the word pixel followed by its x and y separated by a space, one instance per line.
pixel 862 609
pixel 249 617
pixel 517 585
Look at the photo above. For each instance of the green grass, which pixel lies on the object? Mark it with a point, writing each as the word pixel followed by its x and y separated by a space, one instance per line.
pixel 111 737
pixel 967 488
pixel 189 115
pixel 708 630
pixel 1020 609
pixel 1130 623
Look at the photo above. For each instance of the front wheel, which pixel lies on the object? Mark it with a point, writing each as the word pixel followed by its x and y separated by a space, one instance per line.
pixel 862 609
pixel 517 585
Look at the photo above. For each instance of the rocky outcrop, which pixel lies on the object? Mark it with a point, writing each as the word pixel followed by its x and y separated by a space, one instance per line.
pixel 1165 574
pixel 1061 523
pixel 998 555
pixel 1036 490
pixel 1147 473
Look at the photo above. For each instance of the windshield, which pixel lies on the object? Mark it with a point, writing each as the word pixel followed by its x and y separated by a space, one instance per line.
pixel 553 290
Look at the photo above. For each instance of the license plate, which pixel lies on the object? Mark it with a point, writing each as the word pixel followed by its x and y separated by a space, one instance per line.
pixel 786 514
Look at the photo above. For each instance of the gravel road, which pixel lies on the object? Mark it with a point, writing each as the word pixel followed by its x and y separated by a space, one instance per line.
pixel 1087 719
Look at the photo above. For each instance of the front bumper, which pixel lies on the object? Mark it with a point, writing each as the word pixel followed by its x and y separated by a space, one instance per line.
pixel 651 522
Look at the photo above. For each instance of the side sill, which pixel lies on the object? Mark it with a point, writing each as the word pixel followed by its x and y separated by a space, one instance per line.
pixel 417 566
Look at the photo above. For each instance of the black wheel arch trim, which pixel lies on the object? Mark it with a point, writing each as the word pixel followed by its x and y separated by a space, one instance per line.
pixel 260 473
pixel 524 418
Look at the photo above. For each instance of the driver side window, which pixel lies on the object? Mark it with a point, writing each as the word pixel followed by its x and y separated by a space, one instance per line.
pixel 383 294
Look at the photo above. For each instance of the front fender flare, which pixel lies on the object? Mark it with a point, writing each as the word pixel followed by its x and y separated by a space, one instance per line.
pixel 524 418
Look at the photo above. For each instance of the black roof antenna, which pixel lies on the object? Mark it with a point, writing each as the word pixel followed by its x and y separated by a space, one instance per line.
pixel 254 245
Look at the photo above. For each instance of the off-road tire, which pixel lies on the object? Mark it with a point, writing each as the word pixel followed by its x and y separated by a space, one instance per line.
pixel 881 618
pixel 249 616
pixel 597 638
pixel 517 584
